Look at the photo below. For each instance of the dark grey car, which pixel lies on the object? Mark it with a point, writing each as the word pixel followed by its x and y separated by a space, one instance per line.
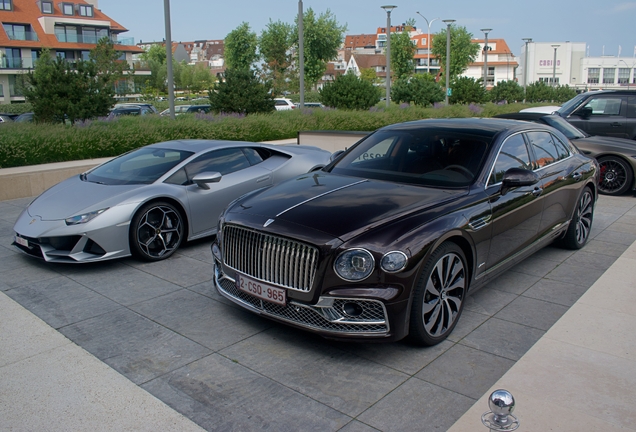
pixel 616 156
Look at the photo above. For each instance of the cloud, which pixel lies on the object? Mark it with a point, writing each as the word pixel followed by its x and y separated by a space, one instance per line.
pixel 624 6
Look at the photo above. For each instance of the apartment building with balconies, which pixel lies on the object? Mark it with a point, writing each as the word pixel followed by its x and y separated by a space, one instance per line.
pixel 69 29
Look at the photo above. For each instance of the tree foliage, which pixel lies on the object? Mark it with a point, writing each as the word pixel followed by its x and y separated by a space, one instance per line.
pixel 240 47
pixel 350 92
pixel 509 91
pixel 467 90
pixel 241 92
pixel 421 89
pixel 61 91
pixel 322 38
pixel 462 50
pixel 539 91
pixel 275 45
pixel 402 52
pixel 155 59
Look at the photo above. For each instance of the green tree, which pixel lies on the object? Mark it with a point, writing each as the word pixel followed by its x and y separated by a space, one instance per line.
pixel 240 47
pixel 421 89
pixel 60 91
pixel 350 92
pixel 467 90
pixel 368 74
pixel 241 92
pixel 402 52
pixel 275 48
pixel 322 38
pixel 107 60
pixel 155 59
pixel 509 91
pixel 462 50
pixel 202 78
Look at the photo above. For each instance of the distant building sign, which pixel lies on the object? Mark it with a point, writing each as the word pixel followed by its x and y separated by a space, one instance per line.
pixel 549 62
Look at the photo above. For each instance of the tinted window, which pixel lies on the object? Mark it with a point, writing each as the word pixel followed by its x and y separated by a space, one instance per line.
pixel 631 106
pixel 430 156
pixel 513 154
pixel 545 148
pixel 224 161
pixel 561 148
pixel 605 105
pixel 252 156
pixel 141 166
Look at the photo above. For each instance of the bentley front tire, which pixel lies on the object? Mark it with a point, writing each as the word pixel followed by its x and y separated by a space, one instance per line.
pixel 439 295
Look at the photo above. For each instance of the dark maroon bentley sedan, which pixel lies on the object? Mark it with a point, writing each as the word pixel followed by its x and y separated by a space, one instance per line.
pixel 389 238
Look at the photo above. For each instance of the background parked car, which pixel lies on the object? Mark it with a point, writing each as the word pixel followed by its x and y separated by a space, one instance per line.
pixel 187 109
pixel 134 110
pixel 5 119
pixel 146 106
pixel 604 112
pixel 25 117
pixel 616 156
pixel 391 237
pixel 283 104
pixel 310 105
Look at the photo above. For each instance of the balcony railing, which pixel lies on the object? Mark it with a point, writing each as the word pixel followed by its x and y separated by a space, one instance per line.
pixel 15 63
pixel 22 35
pixel 90 39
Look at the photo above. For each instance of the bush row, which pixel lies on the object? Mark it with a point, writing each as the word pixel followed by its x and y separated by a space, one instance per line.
pixel 30 144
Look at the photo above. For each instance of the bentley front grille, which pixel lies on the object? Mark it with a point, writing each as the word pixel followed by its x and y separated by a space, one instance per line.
pixel 276 260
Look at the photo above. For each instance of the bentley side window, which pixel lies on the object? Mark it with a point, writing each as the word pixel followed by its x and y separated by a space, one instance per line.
pixel 544 149
pixel 513 154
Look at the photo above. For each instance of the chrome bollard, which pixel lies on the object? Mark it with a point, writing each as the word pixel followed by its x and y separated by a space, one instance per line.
pixel 500 418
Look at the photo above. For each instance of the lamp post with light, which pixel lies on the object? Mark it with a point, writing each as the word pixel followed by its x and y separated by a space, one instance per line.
pixel 166 13
pixel 428 41
pixel 301 54
pixel 448 23
pixel 525 64
pixel 554 65
pixel 486 31
pixel 388 9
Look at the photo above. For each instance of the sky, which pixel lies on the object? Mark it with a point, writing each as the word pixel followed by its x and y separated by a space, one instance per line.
pixel 603 25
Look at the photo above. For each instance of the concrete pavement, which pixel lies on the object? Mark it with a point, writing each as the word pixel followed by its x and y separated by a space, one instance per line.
pixel 150 346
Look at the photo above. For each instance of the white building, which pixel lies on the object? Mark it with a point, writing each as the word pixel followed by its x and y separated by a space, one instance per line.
pixel 574 68
pixel 501 63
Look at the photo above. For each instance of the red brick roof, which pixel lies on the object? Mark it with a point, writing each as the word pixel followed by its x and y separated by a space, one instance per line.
pixel 28 12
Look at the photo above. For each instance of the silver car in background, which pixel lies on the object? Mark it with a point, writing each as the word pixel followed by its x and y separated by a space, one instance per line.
pixel 149 201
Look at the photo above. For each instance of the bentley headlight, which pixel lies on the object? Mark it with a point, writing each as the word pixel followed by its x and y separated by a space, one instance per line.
pixel 354 264
pixel 83 218
pixel 393 262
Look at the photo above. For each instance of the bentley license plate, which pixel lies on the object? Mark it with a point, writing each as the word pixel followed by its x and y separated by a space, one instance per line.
pixel 261 290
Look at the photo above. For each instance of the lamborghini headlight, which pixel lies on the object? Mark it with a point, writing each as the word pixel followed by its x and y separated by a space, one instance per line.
pixel 83 218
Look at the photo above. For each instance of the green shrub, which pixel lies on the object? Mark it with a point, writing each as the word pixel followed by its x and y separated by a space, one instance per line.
pixel 420 89
pixel 30 144
pixel 508 91
pixel 16 108
pixel 241 92
pixel 467 90
pixel 350 92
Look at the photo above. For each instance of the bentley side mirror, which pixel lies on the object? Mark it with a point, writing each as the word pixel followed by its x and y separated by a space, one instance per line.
pixel 202 179
pixel 517 177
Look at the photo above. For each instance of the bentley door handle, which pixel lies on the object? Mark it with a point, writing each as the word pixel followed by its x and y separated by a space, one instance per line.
pixel 576 176
pixel 537 191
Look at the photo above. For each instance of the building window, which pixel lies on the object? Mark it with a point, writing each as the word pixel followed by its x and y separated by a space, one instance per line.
pixel 20 32
pixel 608 75
pixel 47 7
pixel 6 5
pixel 634 77
pixel 67 9
pixel 14 90
pixel 490 78
pixel 1 91
pixel 623 75
pixel 593 75
pixel 86 10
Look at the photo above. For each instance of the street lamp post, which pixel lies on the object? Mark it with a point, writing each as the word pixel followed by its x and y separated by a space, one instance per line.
pixel 166 12
pixel 448 23
pixel 388 9
pixel 428 42
pixel 301 53
pixel 486 31
pixel 525 65
pixel 554 65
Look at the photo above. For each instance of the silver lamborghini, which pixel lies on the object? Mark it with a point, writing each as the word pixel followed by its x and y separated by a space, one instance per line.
pixel 149 201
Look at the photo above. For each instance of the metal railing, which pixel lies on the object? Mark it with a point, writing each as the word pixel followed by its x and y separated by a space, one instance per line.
pixel 22 35
pixel 15 63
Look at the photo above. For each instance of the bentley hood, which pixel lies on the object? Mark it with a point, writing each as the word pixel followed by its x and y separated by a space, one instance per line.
pixel 340 206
